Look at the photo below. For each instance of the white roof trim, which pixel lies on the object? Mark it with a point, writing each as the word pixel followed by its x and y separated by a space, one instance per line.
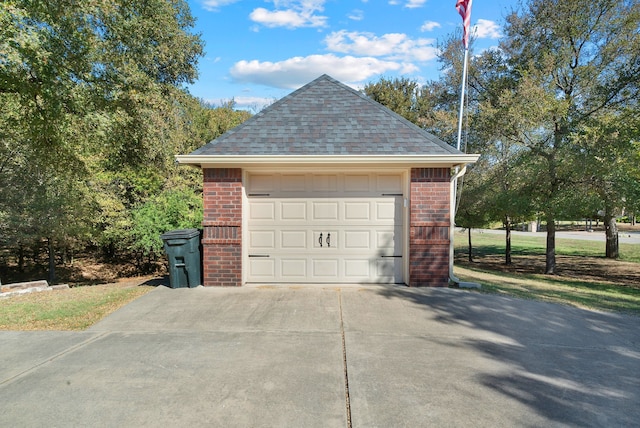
pixel 230 161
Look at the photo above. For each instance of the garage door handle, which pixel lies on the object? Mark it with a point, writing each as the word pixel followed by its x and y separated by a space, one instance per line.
pixel 328 239
pixel 320 239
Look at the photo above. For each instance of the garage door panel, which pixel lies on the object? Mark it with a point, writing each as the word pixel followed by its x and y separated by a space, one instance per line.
pixel 357 211
pixel 324 268
pixel 388 267
pixel 325 183
pixel 389 183
pixel 293 239
pixel 385 240
pixel 262 183
pixel 293 183
pixel 293 268
pixel 293 211
pixel 359 183
pixel 324 211
pixel 389 240
pixel 262 268
pixel 325 239
pixel 357 239
pixel 389 210
pixel 357 269
pixel 262 239
pixel 262 210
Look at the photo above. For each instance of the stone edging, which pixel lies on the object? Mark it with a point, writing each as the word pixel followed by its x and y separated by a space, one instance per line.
pixel 29 287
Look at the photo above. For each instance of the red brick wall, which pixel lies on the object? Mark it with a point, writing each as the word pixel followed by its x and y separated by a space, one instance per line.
pixel 222 237
pixel 429 228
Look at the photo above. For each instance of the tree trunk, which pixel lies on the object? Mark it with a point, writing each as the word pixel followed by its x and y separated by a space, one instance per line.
pixel 550 262
pixel 470 247
pixel 52 262
pixel 21 258
pixel 507 251
pixel 611 233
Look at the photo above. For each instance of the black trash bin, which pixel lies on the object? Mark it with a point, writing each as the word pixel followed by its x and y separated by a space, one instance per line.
pixel 183 251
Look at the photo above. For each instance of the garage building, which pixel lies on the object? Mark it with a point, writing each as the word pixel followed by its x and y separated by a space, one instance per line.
pixel 326 186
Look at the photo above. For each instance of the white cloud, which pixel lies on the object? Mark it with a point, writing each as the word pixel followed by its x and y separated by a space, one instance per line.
pixel 410 4
pixel 291 14
pixel 295 72
pixel 395 46
pixel 214 5
pixel 486 29
pixel 429 26
pixel 415 3
pixel 356 15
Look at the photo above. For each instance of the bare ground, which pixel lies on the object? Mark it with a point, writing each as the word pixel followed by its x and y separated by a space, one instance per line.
pixel 87 271
pixel 598 269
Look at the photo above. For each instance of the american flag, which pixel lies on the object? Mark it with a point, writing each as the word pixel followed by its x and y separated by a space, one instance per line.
pixel 464 9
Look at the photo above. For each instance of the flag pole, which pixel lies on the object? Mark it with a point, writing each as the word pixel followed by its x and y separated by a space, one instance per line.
pixel 457 174
pixel 462 90
pixel 464 9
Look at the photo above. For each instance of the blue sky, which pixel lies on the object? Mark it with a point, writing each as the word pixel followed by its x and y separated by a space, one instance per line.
pixel 259 51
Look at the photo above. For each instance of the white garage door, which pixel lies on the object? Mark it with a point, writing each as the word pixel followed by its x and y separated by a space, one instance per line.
pixel 329 228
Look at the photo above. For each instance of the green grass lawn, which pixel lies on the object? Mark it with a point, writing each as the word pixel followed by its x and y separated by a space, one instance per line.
pixel 583 294
pixel 585 277
pixel 73 309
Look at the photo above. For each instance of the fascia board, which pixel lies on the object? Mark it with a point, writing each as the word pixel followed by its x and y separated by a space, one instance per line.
pixel 426 161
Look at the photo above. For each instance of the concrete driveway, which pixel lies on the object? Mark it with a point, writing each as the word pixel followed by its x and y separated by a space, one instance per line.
pixel 327 357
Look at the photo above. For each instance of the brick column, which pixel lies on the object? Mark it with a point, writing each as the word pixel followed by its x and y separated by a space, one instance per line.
pixel 222 237
pixel 429 228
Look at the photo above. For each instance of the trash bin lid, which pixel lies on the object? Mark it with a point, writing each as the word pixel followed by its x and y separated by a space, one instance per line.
pixel 180 234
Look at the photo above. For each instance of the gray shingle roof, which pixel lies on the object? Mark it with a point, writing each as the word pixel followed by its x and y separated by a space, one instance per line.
pixel 326 117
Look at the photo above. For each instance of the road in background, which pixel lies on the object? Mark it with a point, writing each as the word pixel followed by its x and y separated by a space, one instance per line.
pixel 624 237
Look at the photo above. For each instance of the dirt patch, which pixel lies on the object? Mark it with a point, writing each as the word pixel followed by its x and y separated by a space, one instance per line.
pixel 598 269
pixel 87 271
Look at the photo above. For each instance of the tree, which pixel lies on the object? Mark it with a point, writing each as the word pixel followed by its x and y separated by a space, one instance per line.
pixel 572 61
pixel 176 209
pixel 402 95
pixel 87 89
pixel 472 210
pixel 130 195
pixel 610 148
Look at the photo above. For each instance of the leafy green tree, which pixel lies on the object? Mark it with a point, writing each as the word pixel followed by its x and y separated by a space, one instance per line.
pixel 87 90
pixel 402 95
pixel 176 209
pixel 610 148
pixel 472 211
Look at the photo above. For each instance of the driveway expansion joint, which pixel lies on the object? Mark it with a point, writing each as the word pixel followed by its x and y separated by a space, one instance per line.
pixel 53 358
pixel 344 362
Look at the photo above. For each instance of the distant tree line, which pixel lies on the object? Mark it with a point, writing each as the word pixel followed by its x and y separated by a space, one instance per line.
pixel 92 111
pixel 553 111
